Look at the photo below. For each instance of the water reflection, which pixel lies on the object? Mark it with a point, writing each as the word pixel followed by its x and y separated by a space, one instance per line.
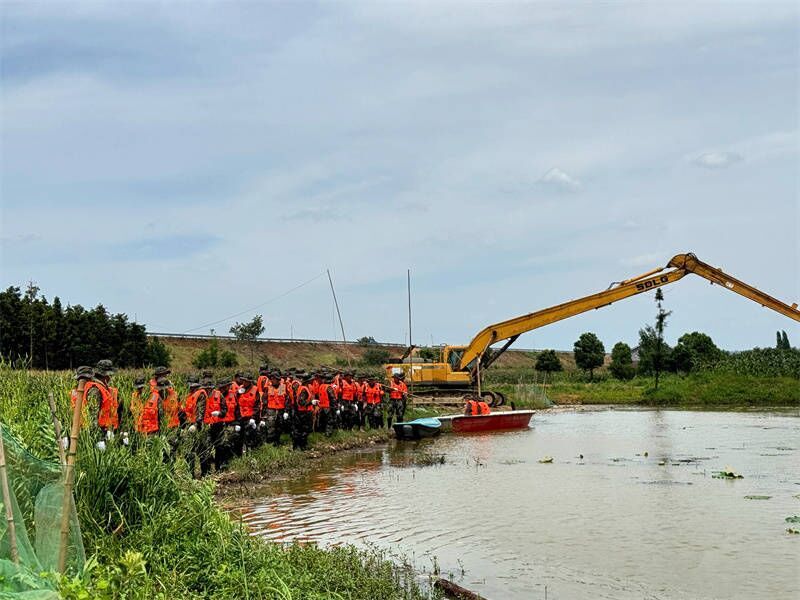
pixel 639 516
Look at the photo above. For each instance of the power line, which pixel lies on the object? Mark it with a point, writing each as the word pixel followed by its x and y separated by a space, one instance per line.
pixel 278 297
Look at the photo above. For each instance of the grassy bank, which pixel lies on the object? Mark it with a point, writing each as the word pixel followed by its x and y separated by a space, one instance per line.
pixel 153 532
pixel 701 390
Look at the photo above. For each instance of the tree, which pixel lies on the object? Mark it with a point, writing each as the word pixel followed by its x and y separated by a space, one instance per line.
pixel 589 353
pixel 700 347
pixel 782 341
pixel 367 340
pixel 681 359
pixel 157 353
pixel 426 353
pixel 248 333
pixel 228 359
pixel 547 361
pixel 621 366
pixel 659 357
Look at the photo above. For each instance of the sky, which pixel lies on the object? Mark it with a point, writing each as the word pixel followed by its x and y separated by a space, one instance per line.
pixel 183 163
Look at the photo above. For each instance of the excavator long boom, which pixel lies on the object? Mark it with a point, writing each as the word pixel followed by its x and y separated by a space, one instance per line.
pixel 676 269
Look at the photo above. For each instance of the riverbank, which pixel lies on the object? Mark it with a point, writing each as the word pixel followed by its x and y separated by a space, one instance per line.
pixel 150 531
pixel 709 390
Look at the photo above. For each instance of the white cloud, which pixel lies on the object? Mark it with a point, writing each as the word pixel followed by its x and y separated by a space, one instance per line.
pixel 650 259
pixel 717 160
pixel 557 178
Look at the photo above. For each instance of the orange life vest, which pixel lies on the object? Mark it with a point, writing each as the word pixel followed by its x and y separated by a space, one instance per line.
pixel 147 422
pixel 397 390
pixel 230 401
pixel 107 416
pixel 348 390
pixel 276 401
pixel 136 405
pixel 213 404
pixel 313 387
pixel 247 402
pixel 374 393
pixel 172 409
pixel 483 408
pixel 308 407
pixel 322 395
pixel 262 383
pixel 190 405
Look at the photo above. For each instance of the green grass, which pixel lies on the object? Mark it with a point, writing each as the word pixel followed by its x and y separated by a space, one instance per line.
pixel 153 532
pixel 704 389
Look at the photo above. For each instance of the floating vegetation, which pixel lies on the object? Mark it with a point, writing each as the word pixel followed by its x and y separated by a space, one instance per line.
pixel 757 497
pixel 546 460
pixel 793 519
pixel 426 459
pixel 793 530
pixel 727 473
pixel 511 461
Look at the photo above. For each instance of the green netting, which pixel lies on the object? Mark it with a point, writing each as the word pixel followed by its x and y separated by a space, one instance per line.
pixel 36 490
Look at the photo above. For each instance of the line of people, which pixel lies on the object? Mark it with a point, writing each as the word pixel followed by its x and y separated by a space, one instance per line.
pixel 218 419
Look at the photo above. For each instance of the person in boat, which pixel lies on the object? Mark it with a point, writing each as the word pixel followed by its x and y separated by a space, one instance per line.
pixel 476 406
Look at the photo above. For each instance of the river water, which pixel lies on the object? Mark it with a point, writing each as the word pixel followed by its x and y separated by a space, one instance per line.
pixel 613 524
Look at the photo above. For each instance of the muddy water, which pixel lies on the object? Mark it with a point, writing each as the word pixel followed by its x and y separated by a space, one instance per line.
pixel 613 524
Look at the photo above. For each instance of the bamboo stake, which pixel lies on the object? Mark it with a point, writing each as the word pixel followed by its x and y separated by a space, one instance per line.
pixel 12 529
pixel 57 428
pixel 69 476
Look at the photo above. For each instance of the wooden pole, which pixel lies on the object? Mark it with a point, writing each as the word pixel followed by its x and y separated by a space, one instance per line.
pixel 69 476
pixel 12 529
pixel 478 373
pixel 57 428
pixel 410 345
pixel 336 303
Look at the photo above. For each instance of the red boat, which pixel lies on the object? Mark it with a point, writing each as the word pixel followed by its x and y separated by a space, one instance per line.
pixel 498 421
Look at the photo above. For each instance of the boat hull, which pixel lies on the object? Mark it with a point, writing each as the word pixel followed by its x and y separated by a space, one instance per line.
pixel 416 430
pixel 499 421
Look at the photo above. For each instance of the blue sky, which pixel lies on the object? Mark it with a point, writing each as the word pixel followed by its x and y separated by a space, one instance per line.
pixel 182 163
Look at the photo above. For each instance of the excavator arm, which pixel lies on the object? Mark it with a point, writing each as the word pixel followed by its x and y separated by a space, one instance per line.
pixel 676 269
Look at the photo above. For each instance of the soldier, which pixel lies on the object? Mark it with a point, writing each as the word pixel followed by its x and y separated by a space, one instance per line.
pixel 212 427
pixel 397 399
pixel 373 393
pixel 226 417
pixel 348 404
pixel 302 415
pixel 193 410
pixel 249 403
pixel 325 394
pixel 274 410
pixel 102 404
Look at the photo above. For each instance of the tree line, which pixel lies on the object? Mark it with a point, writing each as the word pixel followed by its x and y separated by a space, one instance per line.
pixel 39 334
pixel 694 351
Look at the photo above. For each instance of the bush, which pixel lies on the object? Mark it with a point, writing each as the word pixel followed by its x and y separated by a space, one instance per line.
pixel 228 359
pixel 375 356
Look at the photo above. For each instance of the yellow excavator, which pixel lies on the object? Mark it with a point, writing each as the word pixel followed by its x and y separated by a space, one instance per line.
pixel 459 368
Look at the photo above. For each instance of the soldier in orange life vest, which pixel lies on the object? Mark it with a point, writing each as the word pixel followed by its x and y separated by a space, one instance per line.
pixel 303 413
pixel 249 403
pixel 212 428
pixel 397 398
pixel 373 394
pixel 275 410
pixel 361 383
pixel 227 417
pixel 192 412
pixel 151 413
pixel 324 396
pixel 102 404
pixel 348 404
